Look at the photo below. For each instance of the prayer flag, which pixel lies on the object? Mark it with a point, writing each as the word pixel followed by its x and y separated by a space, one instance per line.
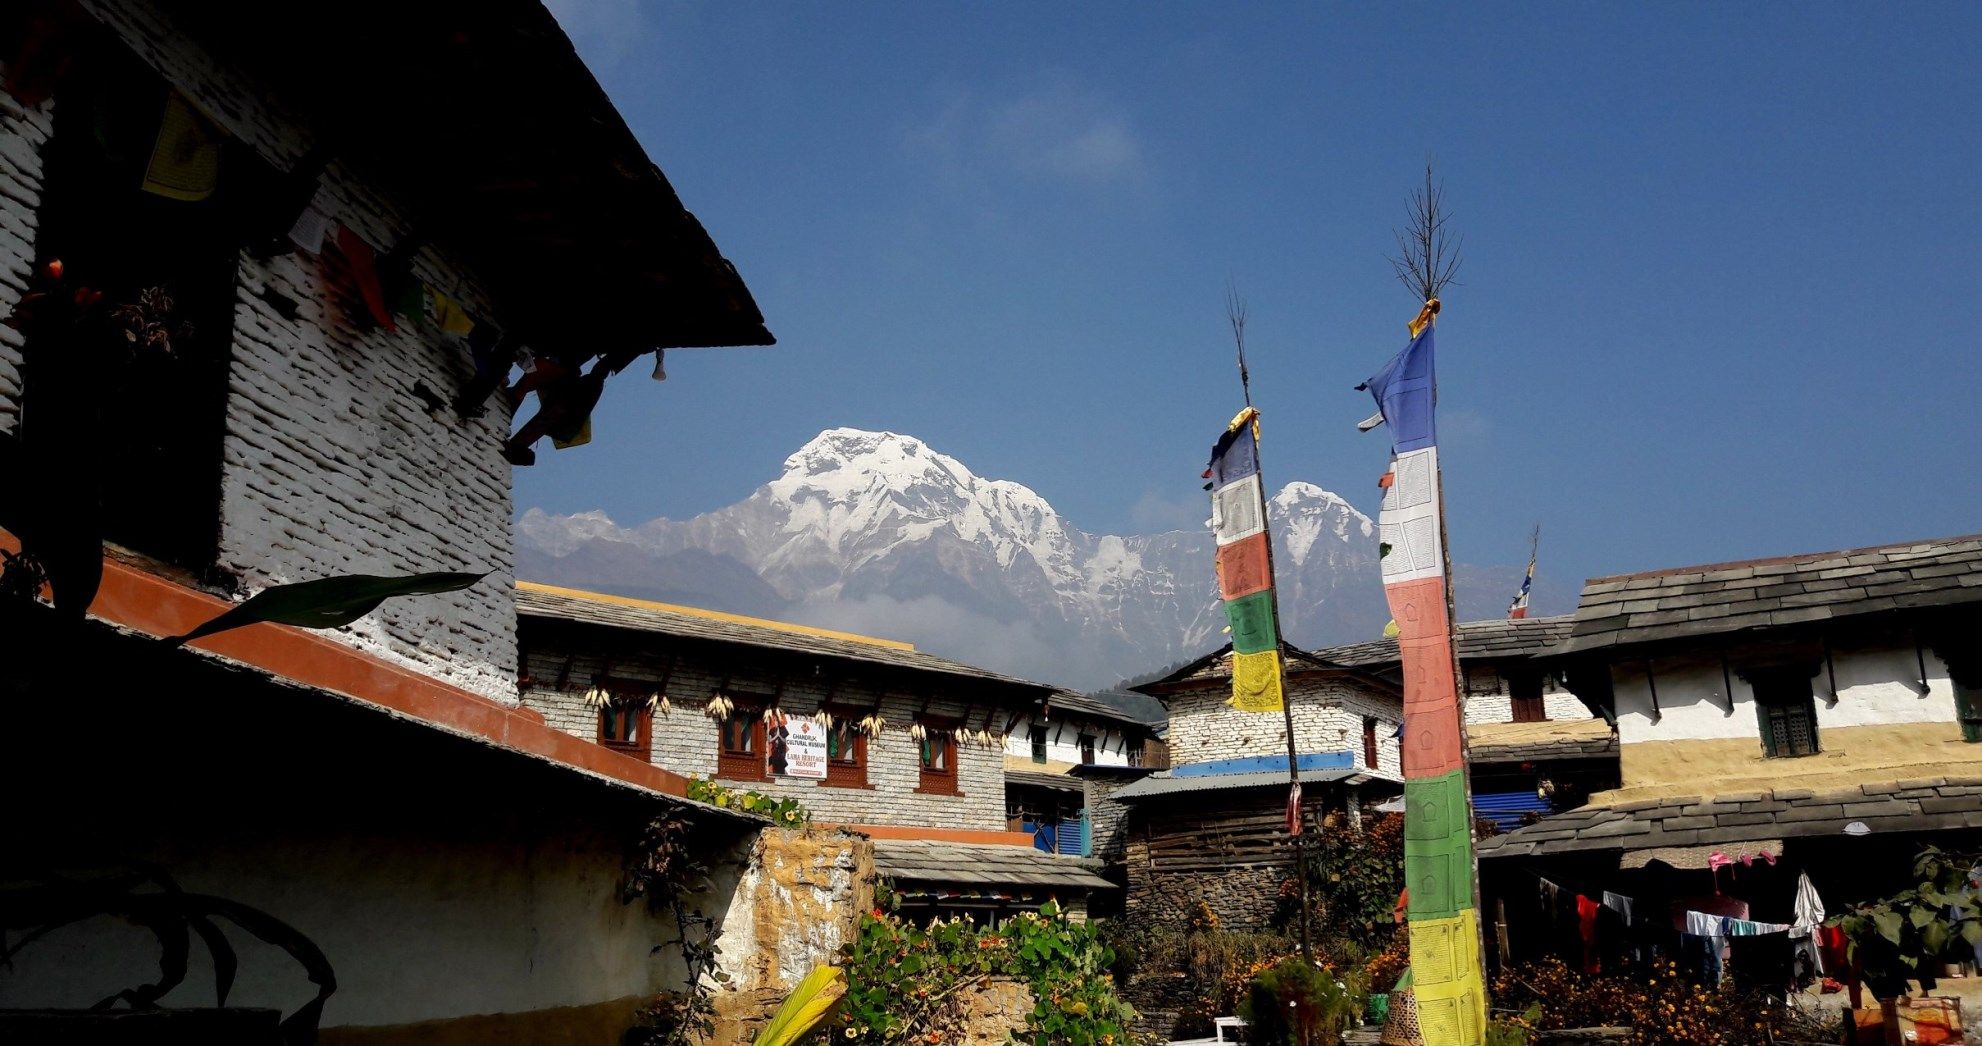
pixel 1245 574
pixel 364 271
pixel 1448 981
pixel 1520 608
pixel 185 161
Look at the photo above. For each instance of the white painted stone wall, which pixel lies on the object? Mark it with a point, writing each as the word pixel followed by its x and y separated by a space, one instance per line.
pixel 23 131
pixel 1557 703
pixel 687 741
pixel 494 913
pixel 1112 747
pixel 1328 717
pixel 1876 685
pixel 331 466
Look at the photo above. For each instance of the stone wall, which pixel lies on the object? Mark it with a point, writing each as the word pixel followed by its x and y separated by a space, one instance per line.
pixel 1107 818
pixel 1243 898
pixel 1112 745
pixel 23 131
pixel 1328 717
pixel 330 463
pixel 686 741
pixel 798 900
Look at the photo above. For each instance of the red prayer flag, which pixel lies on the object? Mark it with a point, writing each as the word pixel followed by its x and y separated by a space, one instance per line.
pixel 364 271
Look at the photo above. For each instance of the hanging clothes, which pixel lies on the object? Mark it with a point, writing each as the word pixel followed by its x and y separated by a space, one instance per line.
pixel 1586 928
pixel 1809 916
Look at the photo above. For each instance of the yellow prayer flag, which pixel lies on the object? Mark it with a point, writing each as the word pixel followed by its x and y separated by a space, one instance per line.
pixel 450 316
pixel 1256 682
pixel 185 162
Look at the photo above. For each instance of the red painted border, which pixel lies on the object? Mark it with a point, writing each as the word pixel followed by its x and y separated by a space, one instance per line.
pixel 147 603
pixel 941 835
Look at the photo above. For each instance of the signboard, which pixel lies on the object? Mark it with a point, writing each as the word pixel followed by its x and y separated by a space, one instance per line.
pixel 798 747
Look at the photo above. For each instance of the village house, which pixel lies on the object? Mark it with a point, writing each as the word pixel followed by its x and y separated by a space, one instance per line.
pixel 267 267
pixel 1059 755
pixel 1213 826
pixel 910 747
pixel 1813 713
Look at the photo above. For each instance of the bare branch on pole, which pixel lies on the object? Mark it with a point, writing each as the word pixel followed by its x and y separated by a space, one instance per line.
pixel 1428 256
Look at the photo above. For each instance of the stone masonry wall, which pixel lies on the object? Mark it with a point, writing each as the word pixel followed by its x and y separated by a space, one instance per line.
pixel 1243 898
pixel 330 465
pixel 1328 717
pixel 23 131
pixel 1107 818
pixel 686 741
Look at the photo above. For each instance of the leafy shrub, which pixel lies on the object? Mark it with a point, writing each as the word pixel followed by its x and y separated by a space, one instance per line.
pixel 904 982
pixel 1660 1006
pixel 1296 1003
pixel 785 813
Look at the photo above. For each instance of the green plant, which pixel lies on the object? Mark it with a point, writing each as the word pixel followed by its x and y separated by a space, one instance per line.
pixel 904 982
pixel 1939 919
pixel 329 602
pixel 785 813
pixel 1505 1029
pixel 664 872
pixel 806 1006
pixel 1296 1003
pixel 1353 880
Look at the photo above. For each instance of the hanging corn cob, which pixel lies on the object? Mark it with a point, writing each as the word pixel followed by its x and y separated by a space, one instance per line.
pixel 719 707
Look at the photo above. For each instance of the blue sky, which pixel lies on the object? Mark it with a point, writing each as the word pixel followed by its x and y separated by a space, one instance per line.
pixel 1718 298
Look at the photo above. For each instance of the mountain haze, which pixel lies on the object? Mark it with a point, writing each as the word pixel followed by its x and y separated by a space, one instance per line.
pixel 876 532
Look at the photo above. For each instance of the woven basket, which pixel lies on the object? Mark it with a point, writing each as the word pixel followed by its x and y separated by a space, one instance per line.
pixel 1400 1028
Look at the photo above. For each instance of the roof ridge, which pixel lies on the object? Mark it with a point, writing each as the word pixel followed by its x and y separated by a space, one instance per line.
pixel 709 615
pixel 1733 564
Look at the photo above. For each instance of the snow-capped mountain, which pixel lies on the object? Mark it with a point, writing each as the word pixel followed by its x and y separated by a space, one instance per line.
pixel 876 532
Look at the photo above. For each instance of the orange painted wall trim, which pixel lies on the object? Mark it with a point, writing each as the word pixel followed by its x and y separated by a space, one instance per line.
pixel 941 835
pixel 147 603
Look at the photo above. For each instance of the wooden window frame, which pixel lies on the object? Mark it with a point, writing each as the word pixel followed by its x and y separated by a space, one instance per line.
pixel 1037 738
pixel 1782 694
pixel 642 746
pixel 1087 743
pixel 1370 753
pixel 937 782
pixel 736 766
pixel 847 774
pixel 1527 707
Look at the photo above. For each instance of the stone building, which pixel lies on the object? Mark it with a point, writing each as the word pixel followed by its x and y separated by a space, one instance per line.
pixel 1820 709
pixel 1059 763
pixel 912 745
pixel 1213 826
pixel 243 407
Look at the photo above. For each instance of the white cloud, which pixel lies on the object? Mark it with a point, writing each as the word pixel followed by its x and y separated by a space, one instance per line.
pixel 1051 131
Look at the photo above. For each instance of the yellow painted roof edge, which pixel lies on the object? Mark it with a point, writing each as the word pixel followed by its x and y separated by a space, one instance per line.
pixel 712 615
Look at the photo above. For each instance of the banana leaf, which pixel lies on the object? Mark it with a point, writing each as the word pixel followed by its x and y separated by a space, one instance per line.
pixel 808 1004
pixel 328 602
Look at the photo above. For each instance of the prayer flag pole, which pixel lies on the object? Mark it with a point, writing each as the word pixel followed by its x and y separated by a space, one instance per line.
pixel 1244 607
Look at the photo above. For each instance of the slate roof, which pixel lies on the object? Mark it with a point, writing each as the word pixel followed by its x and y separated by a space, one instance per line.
pixel 1684 602
pixel 1043 779
pixel 1161 783
pixel 1495 639
pixel 1086 705
pixel 1927 804
pixel 928 861
pixel 641 616
pixel 1538 742
pixel 1216 665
